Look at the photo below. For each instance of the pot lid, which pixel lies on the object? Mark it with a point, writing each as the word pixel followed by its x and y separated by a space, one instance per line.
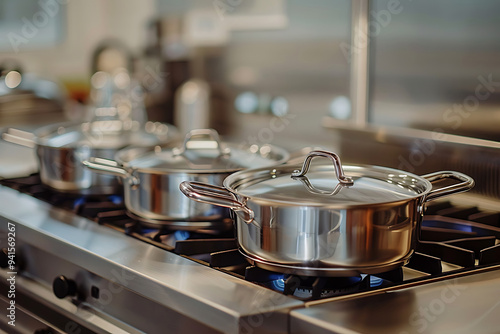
pixel 327 185
pixel 202 152
pixel 74 135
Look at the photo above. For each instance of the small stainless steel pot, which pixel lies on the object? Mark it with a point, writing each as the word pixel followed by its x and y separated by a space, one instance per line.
pixel 318 221
pixel 61 148
pixel 152 176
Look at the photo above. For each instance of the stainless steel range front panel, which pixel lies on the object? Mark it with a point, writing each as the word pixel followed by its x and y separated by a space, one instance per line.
pixel 136 278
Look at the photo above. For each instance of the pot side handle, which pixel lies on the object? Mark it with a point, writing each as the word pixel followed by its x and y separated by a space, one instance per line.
pixel 466 183
pixel 19 137
pixel 207 193
pixel 110 167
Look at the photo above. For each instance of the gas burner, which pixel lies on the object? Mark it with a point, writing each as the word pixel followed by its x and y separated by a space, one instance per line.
pixel 208 227
pixel 319 271
pixel 311 288
pixel 168 239
pixel 87 205
pixel 322 287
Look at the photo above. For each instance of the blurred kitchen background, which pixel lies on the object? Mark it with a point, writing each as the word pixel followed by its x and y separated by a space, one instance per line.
pixel 262 71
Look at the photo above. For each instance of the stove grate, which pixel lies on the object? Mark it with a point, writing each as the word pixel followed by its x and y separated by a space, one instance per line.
pixel 425 263
pixel 204 246
pixel 448 253
pixel 227 258
pixel 488 218
pixel 462 236
pixel 490 255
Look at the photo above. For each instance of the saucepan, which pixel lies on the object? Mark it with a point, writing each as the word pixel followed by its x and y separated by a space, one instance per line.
pixel 151 177
pixel 61 147
pixel 327 219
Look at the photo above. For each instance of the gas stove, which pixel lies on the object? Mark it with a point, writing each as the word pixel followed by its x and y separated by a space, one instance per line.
pixel 83 264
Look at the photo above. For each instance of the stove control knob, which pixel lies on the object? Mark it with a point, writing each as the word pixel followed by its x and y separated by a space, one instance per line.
pixel 63 287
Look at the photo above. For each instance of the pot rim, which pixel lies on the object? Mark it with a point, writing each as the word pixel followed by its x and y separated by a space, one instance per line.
pixel 40 137
pixel 148 171
pixel 242 178
pixel 137 152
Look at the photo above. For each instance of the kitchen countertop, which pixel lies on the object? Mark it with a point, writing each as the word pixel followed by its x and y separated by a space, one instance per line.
pixel 468 304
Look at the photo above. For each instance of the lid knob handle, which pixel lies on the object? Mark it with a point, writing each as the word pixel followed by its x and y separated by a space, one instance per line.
pixel 345 180
pixel 213 142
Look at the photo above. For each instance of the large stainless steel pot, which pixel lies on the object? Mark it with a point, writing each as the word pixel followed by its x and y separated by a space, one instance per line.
pixel 61 148
pixel 318 221
pixel 152 176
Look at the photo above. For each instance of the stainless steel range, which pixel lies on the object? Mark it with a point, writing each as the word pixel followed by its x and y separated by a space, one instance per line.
pixel 83 265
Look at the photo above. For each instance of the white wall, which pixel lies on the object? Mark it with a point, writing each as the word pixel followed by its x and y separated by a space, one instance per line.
pixel 87 23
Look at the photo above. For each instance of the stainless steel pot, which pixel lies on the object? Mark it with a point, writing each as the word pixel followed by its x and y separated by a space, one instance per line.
pixel 318 221
pixel 60 149
pixel 152 176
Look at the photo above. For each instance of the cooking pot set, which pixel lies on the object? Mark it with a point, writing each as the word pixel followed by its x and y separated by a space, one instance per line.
pixel 321 219
pixel 325 219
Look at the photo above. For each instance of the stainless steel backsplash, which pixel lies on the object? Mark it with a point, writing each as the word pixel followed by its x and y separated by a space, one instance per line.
pixel 427 58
